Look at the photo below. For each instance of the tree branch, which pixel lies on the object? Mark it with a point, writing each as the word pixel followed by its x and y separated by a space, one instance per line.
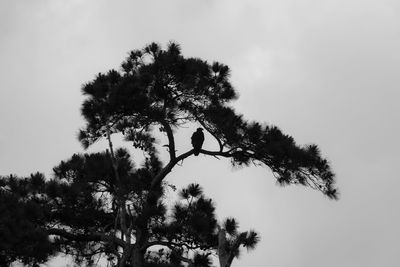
pixel 225 154
pixel 238 242
pixel 121 201
pixel 168 244
pixel 85 237
pixel 167 169
pixel 171 141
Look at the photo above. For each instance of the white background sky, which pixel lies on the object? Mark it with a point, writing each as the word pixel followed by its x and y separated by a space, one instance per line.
pixel 326 72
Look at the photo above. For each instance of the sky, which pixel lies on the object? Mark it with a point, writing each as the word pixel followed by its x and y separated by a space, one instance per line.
pixel 325 72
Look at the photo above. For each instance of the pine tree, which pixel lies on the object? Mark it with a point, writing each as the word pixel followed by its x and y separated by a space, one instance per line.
pixel 162 89
pixel 100 204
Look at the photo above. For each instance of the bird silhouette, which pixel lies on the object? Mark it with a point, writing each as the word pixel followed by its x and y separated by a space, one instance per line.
pixel 197 140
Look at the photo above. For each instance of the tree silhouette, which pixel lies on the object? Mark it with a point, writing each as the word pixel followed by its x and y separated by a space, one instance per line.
pixel 78 210
pixel 230 240
pixel 161 89
pixel 21 216
pixel 100 204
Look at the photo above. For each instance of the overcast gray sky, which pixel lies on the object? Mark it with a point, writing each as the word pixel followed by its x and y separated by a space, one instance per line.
pixel 326 72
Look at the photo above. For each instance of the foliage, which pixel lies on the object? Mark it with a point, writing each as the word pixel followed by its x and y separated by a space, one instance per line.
pixel 21 238
pixel 161 88
pixel 103 205
pixel 79 209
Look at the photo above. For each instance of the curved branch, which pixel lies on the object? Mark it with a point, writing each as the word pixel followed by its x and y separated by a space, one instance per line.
pixel 167 169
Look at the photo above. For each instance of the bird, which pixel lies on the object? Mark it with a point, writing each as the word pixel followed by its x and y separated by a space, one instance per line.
pixel 197 140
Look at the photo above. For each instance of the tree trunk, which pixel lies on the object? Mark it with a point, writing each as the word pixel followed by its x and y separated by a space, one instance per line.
pixel 223 255
pixel 137 258
pixel 125 257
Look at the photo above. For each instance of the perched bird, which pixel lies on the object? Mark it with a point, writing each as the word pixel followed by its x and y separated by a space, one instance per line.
pixel 197 140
